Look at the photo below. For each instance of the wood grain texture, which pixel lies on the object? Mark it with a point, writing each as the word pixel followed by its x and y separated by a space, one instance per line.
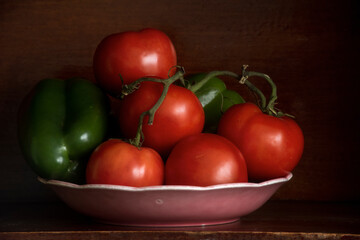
pixel 275 220
pixel 309 48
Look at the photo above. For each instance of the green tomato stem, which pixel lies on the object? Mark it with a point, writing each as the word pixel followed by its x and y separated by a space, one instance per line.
pixel 195 87
pixel 270 107
pixel 128 89
pixel 242 79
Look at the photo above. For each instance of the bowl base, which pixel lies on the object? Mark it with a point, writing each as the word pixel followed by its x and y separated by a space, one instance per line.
pixel 167 224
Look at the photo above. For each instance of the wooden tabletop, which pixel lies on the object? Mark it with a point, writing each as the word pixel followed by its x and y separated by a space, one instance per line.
pixel 274 220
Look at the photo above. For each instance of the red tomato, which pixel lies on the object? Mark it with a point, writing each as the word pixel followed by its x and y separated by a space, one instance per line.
pixel 120 163
pixel 132 55
pixel 272 146
pixel 181 114
pixel 205 159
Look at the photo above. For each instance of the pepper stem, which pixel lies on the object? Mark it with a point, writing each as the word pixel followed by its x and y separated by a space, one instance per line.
pixel 128 89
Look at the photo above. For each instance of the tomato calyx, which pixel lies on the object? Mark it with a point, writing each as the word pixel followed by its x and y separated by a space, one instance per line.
pixel 129 88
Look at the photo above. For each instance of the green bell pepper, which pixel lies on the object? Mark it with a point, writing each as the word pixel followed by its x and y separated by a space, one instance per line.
pixel 214 97
pixel 60 123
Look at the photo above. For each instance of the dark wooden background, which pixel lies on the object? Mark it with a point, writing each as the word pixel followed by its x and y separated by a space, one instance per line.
pixel 309 48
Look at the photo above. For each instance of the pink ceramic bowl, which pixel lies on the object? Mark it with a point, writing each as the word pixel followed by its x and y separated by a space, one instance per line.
pixel 166 205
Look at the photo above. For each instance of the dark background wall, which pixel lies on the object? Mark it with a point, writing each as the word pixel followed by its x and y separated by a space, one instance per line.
pixel 309 48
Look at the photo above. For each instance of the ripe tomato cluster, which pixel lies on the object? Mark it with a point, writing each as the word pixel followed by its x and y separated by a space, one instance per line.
pixel 168 145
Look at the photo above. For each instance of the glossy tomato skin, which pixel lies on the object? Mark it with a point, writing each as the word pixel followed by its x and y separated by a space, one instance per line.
pixel 180 115
pixel 120 163
pixel 205 159
pixel 133 55
pixel 272 146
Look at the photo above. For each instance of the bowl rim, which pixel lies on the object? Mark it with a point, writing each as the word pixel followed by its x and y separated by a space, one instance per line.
pixel 165 187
